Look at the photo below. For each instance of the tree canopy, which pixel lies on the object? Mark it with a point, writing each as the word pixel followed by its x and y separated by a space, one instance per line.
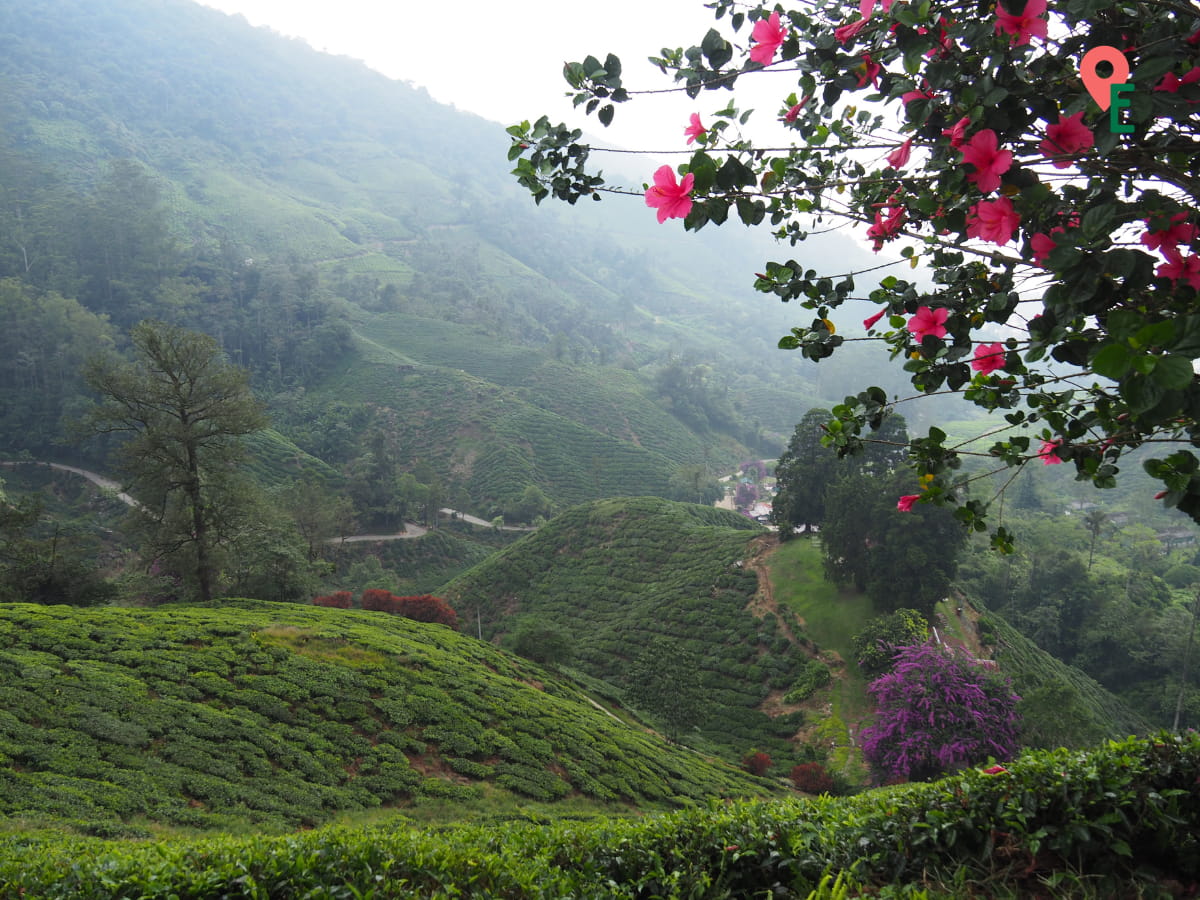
pixel 1054 229
pixel 182 409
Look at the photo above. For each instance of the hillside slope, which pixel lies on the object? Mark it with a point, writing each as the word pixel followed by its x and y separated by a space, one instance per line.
pixel 283 715
pixel 617 574
pixel 1060 706
pixel 295 193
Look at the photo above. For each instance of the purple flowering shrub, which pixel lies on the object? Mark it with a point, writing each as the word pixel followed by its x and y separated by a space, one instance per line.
pixel 745 496
pixel 938 712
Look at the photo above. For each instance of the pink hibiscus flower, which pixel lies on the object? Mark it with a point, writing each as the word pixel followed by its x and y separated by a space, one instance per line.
pixel 694 129
pixel 868 71
pixel 1066 140
pixel 672 199
pixel 898 157
pixel 869 321
pixel 1170 238
pixel 847 33
pixel 1048 454
pixel 909 96
pixel 928 321
pixel 768 36
pixel 1042 245
pixel 1180 268
pixel 793 112
pixel 905 503
pixel 957 132
pixel 946 44
pixel 1171 82
pixel 988 358
pixel 886 229
pixel 990 162
pixel 993 220
pixel 1024 25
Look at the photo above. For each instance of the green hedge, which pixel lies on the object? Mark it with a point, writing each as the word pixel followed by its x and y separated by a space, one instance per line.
pixel 1118 821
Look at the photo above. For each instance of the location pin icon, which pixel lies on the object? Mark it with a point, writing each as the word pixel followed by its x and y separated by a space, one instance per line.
pixel 1099 87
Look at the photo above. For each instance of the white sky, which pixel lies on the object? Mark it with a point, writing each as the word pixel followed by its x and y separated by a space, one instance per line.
pixel 503 61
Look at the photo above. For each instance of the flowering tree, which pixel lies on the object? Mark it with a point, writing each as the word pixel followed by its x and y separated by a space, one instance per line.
pixel 937 712
pixel 745 496
pixel 756 762
pixel 1054 216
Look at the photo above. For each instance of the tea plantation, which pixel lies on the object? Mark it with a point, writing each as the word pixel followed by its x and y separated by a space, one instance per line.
pixel 1119 821
pixel 275 716
pixel 616 574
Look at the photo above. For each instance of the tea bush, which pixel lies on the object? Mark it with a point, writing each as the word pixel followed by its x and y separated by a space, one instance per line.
pixel 618 574
pixel 285 715
pixel 1122 820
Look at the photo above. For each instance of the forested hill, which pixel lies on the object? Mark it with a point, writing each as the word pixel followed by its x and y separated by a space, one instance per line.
pixel 356 244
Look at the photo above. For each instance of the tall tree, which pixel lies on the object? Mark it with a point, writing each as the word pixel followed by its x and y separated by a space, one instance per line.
pixel 901 559
pixel 803 474
pixel 182 408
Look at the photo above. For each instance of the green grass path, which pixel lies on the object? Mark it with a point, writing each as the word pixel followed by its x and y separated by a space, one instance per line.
pixel 831 618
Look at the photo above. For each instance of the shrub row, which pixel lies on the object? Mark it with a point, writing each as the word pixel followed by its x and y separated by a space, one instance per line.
pixel 1122 820
pixel 282 715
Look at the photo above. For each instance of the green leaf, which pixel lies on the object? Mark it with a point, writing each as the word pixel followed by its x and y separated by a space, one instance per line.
pixel 1113 361
pixel 605 115
pixel 716 49
pixel 704 169
pixel 1097 221
pixel 1173 373
pixel 751 212
pixel 1141 393
pixel 1154 68
pixel 1143 364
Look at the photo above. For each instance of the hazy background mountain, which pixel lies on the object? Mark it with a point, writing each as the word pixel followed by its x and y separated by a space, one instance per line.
pixel 166 159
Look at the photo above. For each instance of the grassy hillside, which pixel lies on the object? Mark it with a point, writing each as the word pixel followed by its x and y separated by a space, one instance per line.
pixel 418 565
pixel 496 442
pixel 615 574
pixel 281 715
pixel 1061 706
pixel 618 403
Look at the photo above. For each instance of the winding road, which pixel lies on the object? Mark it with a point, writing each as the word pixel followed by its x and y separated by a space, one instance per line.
pixel 413 530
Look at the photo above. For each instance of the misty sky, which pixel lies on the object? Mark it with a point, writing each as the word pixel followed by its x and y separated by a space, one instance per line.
pixel 481 56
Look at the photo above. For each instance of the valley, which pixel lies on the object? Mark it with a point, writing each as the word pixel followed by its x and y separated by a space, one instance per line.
pixel 369 531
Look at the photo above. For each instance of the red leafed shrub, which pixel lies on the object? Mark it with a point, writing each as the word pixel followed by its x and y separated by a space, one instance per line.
pixel 337 600
pixel 379 600
pixel 812 778
pixel 756 762
pixel 427 608
pixel 419 608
